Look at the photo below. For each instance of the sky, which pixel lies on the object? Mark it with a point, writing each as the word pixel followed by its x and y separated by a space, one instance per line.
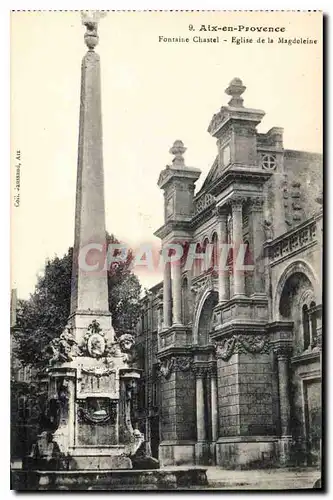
pixel 152 94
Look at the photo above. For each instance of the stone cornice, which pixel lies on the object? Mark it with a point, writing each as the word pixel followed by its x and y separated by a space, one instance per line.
pixel 278 326
pixel 173 225
pixel 174 328
pixel 243 174
pixel 242 300
pixel 202 349
pixel 171 172
pixel 293 153
pixel 229 113
pixel 306 357
pixel 174 351
pixel 246 328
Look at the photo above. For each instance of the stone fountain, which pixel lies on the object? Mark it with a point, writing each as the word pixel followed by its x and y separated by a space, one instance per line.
pixel 91 373
pixel 88 438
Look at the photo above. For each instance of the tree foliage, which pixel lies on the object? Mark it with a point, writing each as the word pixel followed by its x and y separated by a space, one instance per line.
pixel 44 315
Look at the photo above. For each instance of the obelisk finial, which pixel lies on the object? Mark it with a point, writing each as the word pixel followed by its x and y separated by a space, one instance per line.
pixel 90 19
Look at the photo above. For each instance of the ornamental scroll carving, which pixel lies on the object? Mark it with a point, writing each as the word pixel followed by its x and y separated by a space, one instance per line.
pixel 203 202
pixel 175 363
pixel 240 344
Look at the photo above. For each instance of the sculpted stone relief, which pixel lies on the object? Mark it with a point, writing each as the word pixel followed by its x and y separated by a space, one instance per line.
pixel 241 343
pixel 174 363
pixel 94 344
pixel 63 348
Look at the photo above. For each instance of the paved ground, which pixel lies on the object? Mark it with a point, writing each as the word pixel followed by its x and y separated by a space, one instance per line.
pixel 265 479
pixel 269 479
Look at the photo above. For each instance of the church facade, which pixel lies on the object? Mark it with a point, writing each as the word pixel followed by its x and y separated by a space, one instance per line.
pixel 231 342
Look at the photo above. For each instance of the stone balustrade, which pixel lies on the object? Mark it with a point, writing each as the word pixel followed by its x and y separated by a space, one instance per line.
pixel 293 241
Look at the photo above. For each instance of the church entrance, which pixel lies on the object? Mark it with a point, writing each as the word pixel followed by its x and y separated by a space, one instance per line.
pixel 206 415
pixel 297 304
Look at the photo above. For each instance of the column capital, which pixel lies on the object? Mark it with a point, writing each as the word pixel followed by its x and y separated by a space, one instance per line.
pixel 256 203
pixel 237 202
pixel 200 370
pixel 211 368
pixel 282 348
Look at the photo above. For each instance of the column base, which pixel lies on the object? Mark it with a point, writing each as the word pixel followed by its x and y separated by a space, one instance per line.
pixel 241 452
pixel 202 453
pixel 284 448
pixel 176 453
pixel 212 447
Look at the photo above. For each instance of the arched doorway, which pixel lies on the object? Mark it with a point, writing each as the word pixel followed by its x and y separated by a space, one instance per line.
pixel 202 329
pixel 205 318
pixel 297 303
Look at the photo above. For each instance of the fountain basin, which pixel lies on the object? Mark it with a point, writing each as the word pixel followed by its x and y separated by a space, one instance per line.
pixel 105 480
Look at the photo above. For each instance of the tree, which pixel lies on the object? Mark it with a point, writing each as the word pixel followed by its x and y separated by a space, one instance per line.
pixel 44 315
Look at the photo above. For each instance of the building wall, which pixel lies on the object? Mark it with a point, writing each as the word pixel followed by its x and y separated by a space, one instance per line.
pixel 268 386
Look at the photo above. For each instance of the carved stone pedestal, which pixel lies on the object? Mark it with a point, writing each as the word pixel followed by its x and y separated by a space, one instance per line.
pixel 90 382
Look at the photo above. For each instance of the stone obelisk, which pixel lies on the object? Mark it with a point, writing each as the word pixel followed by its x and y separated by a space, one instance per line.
pixel 89 295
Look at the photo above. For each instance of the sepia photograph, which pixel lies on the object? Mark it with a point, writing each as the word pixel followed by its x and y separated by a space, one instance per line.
pixel 166 205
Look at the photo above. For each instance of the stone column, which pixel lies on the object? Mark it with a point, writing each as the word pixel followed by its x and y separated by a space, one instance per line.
pixel 167 296
pixel 200 406
pixel 201 446
pixel 213 402
pixel 257 240
pixel 283 352
pixel 222 215
pixel 176 293
pixel 237 235
pixel 283 393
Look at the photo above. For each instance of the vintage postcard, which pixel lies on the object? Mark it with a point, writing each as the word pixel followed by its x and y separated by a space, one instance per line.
pixel 166 241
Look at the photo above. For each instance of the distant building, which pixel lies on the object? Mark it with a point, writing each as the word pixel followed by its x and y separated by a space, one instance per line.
pixel 24 413
pixel 232 372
